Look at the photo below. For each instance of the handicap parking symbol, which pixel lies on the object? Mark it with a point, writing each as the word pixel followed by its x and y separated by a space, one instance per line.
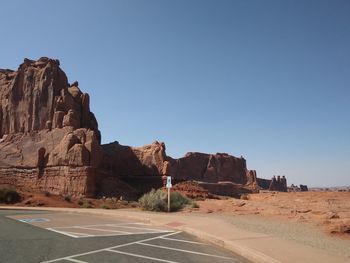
pixel 34 220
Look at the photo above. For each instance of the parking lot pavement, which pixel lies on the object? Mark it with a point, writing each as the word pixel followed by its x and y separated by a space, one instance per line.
pixel 69 237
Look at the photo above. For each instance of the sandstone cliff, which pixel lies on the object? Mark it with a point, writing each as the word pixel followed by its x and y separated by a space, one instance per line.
pixel 49 141
pixel 46 125
pixel 38 96
pixel 210 168
pixel 134 161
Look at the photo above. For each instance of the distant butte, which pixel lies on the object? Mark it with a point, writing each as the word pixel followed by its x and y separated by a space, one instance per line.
pixel 50 142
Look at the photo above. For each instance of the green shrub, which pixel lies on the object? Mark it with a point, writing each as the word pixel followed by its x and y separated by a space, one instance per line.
pixel 87 205
pixel 154 201
pixel 104 206
pixel 157 200
pixel 9 195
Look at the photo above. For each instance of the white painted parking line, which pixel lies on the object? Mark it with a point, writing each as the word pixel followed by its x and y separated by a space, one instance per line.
pixel 103 230
pixel 134 227
pixel 69 233
pixel 99 230
pixel 120 224
pixel 75 260
pixel 183 250
pixel 141 256
pixel 109 248
pixel 182 240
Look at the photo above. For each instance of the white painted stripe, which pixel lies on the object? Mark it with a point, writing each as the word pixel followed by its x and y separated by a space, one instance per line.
pixel 182 240
pixel 83 235
pixel 103 230
pixel 140 256
pixel 97 225
pixel 108 248
pixel 112 235
pixel 183 250
pixel 142 228
pixel 70 233
pixel 77 234
pixel 61 232
pixel 75 260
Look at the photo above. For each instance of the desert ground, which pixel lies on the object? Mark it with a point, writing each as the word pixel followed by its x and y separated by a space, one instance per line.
pixel 326 211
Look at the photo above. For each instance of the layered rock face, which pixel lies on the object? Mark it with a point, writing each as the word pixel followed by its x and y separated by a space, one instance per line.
pixel 140 167
pixel 49 141
pixel 46 124
pixel 134 161
pixel 37 96
pixel 210 168
pixel 220 173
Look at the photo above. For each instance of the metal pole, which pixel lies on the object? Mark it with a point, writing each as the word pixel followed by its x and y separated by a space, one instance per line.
pixel 168 199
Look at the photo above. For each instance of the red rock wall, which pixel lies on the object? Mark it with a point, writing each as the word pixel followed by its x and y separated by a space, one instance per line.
pixel 37 96
pixel 60 180
pixel 211 168
pixel 49 139
pixel 126 161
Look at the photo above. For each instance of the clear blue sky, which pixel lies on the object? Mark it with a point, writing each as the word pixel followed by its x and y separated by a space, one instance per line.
pixel 269 80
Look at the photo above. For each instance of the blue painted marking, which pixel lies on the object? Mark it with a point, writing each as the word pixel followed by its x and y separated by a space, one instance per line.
pixel 34 220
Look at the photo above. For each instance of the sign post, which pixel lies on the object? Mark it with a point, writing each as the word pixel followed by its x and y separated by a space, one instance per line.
pixel 168 185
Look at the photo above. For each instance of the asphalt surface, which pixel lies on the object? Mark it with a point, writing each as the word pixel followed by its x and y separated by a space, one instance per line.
pixel 28 236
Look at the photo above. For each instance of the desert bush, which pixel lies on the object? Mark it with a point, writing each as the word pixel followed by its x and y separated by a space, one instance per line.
pixel 104 206
pixel 157 200
pixel 87 205
pixel 9 195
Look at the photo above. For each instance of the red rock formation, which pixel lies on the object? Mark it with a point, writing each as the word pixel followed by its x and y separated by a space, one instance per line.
pixel 140 167
pixel 49 141
pixel 123 160
pixel 37 96
pixel 45 123
pixel 211 168
pixel 278 184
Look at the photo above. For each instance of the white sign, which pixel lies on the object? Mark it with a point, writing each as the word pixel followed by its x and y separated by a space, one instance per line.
pixel 168 182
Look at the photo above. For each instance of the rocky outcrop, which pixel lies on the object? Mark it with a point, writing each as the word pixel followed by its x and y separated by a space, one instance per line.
pixel 278 184
pixel 49 141
pixel 211 168
pixel 140 167
pixel 143 166
pixel 38 96
pixel 126 161
pixel 45 126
